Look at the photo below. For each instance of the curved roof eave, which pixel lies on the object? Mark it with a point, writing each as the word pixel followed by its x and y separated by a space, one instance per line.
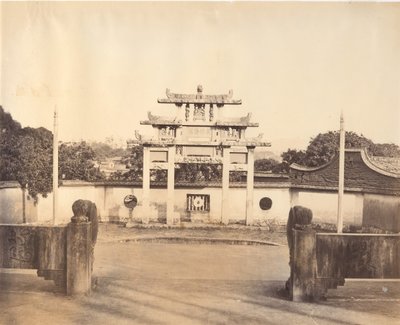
pixel 312 169
pixel 364 156
pixel 374 167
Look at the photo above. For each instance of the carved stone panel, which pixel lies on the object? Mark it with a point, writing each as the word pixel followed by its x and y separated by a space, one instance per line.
pixel 18 247
pixel 32 247
pixel 199 113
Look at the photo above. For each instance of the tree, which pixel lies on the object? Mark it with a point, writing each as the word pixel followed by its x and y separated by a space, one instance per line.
pixel 104 150
pixel 135 164
pixel 268 165
pixel 183 172
pixel 76 162
pixel 289 157
pixel 7 124
pixel 26 157
pixel 198 172
pixel 324 146
pixel 293 156
pixel 8 141
pixel 385 150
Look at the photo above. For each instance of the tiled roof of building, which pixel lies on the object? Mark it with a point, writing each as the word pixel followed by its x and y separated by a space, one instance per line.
pixel 384 165
pixel 387 163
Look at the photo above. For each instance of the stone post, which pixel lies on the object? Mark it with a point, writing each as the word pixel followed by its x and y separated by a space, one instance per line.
pixel 79 256
pixel 303 267
pixel 225 186
pixel 171 185
pixel 146 185
pixel 250 186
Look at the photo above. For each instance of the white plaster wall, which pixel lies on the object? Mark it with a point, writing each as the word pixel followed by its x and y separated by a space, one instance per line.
pixel 324 206
pixel 109 201
pixel 111 205
pixel 280 204
pixel 215 201
pixel 237 204
pixel 67 195
pixel 11 206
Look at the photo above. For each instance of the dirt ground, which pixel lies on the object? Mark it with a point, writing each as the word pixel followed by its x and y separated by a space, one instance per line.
pixel 143 281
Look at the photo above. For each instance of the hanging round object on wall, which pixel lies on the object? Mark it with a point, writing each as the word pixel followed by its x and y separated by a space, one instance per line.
pixel 265 203
pixel 130 201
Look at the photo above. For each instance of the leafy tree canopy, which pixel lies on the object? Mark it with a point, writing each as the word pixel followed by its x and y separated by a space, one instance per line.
pixel 77 162
pixel 267 164
pixel 320 150
pixel 385 150
pixel 183 172
pixel 104 150
pixel 7 124
pixel 26 156
pixel 135 165
pixel 324 146
pixel 198 173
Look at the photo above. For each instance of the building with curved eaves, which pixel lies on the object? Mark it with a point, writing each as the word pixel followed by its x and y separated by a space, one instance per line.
pixel 372 189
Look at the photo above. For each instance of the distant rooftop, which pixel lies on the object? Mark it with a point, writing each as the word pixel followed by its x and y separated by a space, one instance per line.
pixel 387 163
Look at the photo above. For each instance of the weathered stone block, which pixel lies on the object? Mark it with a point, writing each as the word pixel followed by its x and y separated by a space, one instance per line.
pixel 79 258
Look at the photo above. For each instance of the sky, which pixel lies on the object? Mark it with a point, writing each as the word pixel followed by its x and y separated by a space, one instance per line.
pixel 295 66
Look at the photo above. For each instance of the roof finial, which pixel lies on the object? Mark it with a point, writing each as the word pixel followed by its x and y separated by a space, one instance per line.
pixel 199 89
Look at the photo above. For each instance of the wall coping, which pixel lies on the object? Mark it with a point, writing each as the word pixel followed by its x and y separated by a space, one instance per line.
pixel 9 184
pixel 277 185
pixel 356 234
pixel 314 188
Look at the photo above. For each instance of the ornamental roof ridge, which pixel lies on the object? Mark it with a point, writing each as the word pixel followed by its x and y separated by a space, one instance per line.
pixel 199 98
pixel 236 121
pixel 160 120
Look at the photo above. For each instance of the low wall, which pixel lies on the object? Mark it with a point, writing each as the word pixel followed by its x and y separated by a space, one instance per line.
pixel 322 261
pixel 60 253
pixel 109 202
pixel 382 211
pixel 359 209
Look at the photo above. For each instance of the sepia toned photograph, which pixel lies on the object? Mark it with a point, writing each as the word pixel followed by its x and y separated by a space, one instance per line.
pixel 199 162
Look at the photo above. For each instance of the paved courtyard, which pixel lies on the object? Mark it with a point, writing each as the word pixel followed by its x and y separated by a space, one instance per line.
pixel 169 283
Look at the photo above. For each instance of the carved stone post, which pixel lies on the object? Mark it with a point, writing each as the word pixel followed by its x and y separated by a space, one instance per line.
pixel 79 256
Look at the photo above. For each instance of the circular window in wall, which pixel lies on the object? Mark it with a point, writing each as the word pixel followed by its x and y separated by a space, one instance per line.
pixel 265 203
